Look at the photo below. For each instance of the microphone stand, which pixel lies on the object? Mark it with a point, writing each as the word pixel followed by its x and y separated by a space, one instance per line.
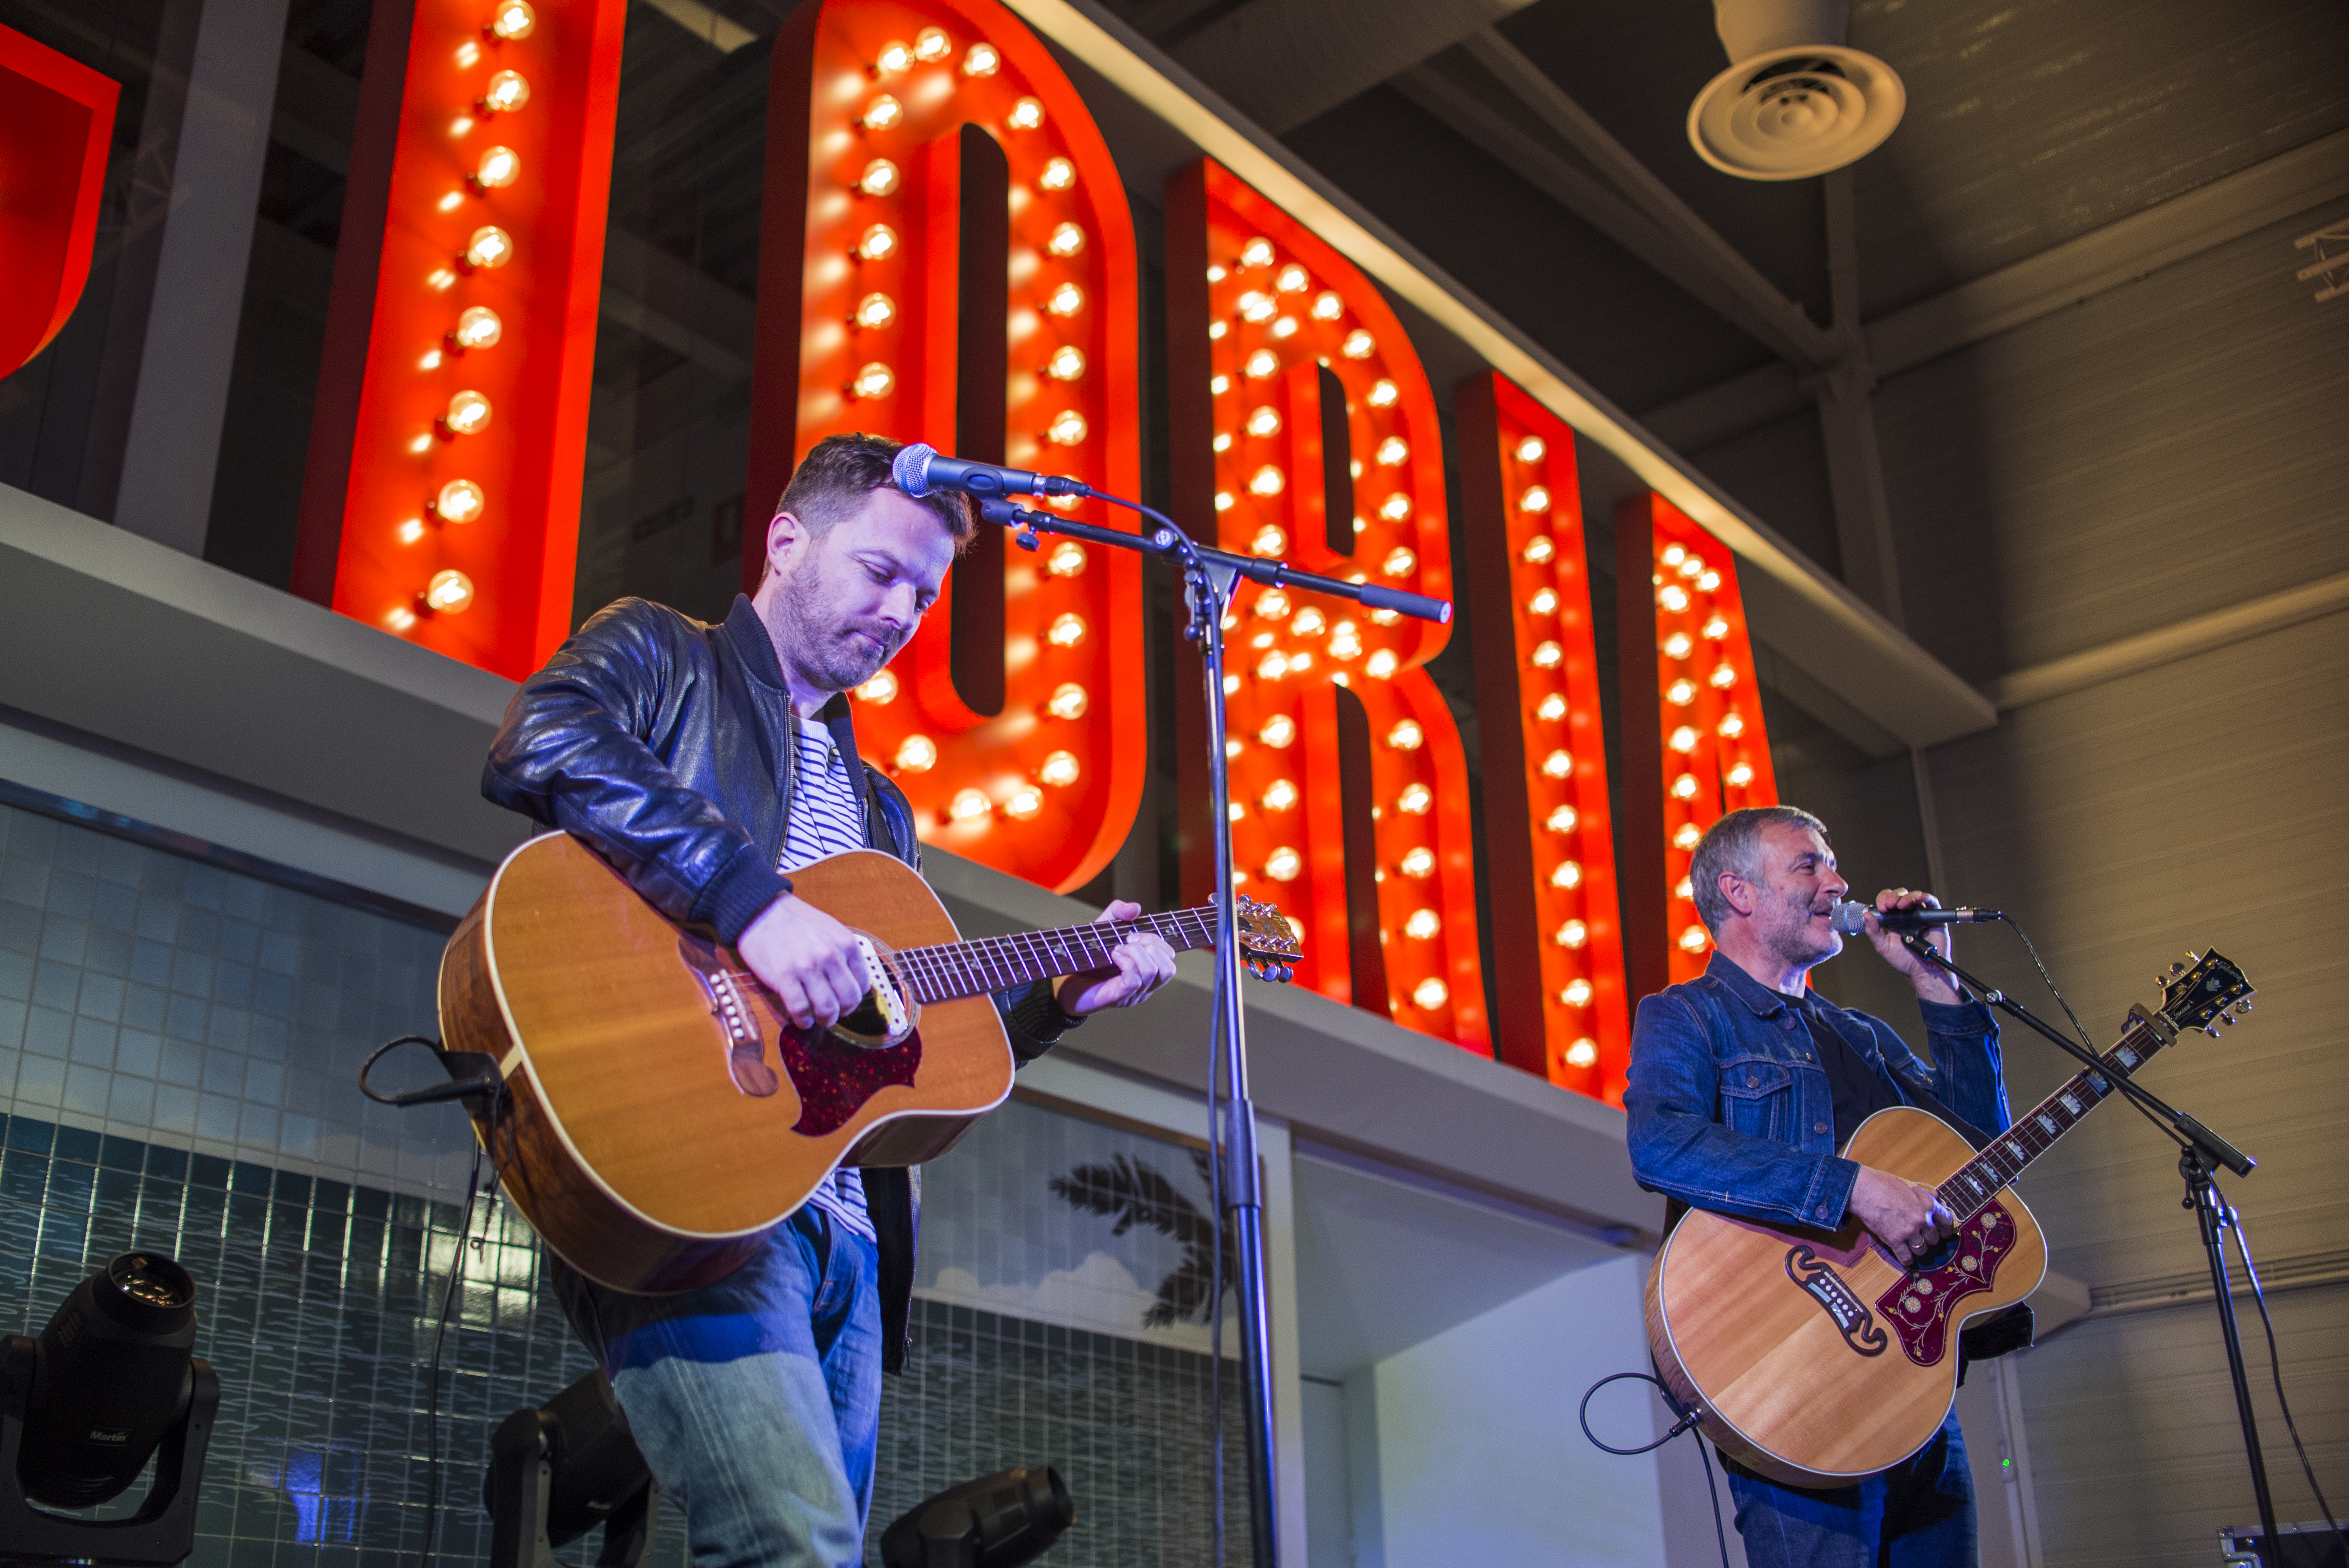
pixel 1209 577
pixel 2200 1154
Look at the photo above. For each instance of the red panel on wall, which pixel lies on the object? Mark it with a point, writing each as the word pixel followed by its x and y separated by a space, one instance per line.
pixel 870 98
pixel 1558 939
pixel 57 120
pixel 459 521
pixel 1281 310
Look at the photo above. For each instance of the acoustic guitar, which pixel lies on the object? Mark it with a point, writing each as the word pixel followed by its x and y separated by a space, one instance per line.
pixel 1811 1356
pixel 660 1114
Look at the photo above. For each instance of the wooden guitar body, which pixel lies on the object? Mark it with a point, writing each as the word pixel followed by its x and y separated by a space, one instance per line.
pixel 1814 1359
pixel 653 1141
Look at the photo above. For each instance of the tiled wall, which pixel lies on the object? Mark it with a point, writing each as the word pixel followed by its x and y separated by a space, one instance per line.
pixel 178 1047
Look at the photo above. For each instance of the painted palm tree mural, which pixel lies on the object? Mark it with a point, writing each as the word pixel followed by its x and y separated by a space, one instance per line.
pixel 1137 1194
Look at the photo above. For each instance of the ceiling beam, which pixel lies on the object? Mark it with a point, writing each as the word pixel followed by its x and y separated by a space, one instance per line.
pixel 2060 276
pixel 1808 616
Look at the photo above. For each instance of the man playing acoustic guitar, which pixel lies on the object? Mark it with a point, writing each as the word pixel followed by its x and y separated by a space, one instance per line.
pixel 706 763
pixel 1743 1083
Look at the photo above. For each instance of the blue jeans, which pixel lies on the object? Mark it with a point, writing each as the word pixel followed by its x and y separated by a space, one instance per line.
pixel 762 1427
pixel 1918 1514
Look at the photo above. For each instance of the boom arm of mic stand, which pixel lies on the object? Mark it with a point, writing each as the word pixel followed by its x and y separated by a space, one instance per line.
pixel 2188 1132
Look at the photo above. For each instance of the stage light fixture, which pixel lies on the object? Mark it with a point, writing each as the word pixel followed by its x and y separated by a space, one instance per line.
pixel 558 1472
pixel 109 1383
pixel 998 1520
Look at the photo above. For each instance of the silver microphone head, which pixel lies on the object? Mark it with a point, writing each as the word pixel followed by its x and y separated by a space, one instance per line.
pixel 1851 918
pixel 910 470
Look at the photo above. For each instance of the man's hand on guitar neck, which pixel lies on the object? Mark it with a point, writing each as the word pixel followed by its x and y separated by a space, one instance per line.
pixel 809 960
pixel 1908 1217
pixel 1142 963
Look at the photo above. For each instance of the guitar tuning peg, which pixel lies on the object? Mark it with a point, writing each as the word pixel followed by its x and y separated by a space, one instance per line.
pixel 2212 1029
pixel 2243 1007
pixel 2178 968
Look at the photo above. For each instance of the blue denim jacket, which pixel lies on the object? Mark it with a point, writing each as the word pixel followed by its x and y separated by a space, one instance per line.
pixel 1731 1111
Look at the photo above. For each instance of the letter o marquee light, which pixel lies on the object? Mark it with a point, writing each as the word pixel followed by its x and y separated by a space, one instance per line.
pixel 1061 775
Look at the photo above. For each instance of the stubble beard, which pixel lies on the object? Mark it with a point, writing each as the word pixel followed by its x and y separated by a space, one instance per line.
pixel 1797 946
pixel 830 654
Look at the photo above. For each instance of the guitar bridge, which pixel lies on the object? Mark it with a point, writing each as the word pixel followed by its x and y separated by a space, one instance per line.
pixel 745 1047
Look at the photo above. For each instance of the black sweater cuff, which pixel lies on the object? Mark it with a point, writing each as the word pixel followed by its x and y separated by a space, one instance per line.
pixel 740 893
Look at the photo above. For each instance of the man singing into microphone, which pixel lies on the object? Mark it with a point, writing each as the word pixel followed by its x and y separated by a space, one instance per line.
pixel 1743 1084
pixel 706 763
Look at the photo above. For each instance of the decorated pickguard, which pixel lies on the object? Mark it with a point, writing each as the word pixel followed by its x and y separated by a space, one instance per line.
pixel 835 1078
pixel 1921 1304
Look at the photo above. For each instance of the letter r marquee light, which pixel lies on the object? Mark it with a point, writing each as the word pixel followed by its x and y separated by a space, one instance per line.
pixel 1047 788
pixel 1284 316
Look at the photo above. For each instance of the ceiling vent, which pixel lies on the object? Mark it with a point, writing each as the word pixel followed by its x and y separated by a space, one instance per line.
pixel 1796 102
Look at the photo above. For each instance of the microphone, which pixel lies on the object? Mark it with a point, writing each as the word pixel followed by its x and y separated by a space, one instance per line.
pixel 1851 918
pixel 920 469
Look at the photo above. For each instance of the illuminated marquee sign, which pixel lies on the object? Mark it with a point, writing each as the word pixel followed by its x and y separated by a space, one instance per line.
pixel 1557 942
pixel 1326 451
pixel 446 510
pixel 917 314
pixel 1715 756
pixel 57 120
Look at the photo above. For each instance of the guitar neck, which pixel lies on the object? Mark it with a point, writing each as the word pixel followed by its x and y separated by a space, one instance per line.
pixel 2008 1155
pixel 952 970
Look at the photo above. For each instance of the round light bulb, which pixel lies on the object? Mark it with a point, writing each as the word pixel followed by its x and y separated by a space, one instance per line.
pixel 1558 764
pixel 499 168
pixel 1358 344
pixel 882 113
pixel 1693 939
pixel 879 179
pixel 1419 863
pixel 874 380
pixel 1543 602
pixel 1396 507
pixel 1687 837
pixel 1278 732
pixel 1060 769
pixel 490 246
pixel 931 45
pixel 468 412
pixel 1257 252
pixel 1067 429
pixel 875 310
pixel 1328 306
pixel 1257 305
pixel 881 689
pixel 893 57
pixel 1551 708
pixel 1273 665
pixel 1722 678
pixel 1067 363
pixel 1279 795
pixel 1309 621
pixel 878 240
pixel 1678 645
pixel 1068 701
pixel 1027 802
pixel 1065 301
pixel 1741 774
pixel 1679 694
pixel 1392 451
pixel 1269 540
pixel 1573 933
pixel 1383 394
pixel 1025 115
pixel 1674 598
pixel 1582 1052
pixel 1731 727
pixel 514 19
pixel 478 328
pixel 1421 925
pixel 1283 864
pixel 918 754
pixel 1683 740
pixel 1381 665
pixel 1532 449
pixel 1066 241
pixel 1716 629
pixel 1561 821
pixel 506 92
pixel 1066 631
pixel 1535 498
pixel 1264 421
pixel 1399 563
pixel 968 805
pixel 1406 735
pixel 1565 875
pixel 1415 800
pixel 980 60
pixel 1265 481
pixel 1430 994
pixel 450 591
pixel 1067 560
pixel 460 501
pixel 1059 175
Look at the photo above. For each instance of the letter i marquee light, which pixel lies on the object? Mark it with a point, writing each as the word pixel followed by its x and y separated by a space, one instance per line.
pixel 1716 756
pixel 1558 939
pixel 1283 308
pixel 1047 788
pixel 458 526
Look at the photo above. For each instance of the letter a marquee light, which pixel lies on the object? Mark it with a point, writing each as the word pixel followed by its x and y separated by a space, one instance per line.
pixel 1047 787
pixel 1282 307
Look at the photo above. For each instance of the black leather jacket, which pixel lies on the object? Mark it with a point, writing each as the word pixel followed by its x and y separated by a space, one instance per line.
pixel 666 745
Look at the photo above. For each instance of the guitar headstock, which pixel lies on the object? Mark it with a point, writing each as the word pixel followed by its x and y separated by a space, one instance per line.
pixel 1268 943
pixel 2204 993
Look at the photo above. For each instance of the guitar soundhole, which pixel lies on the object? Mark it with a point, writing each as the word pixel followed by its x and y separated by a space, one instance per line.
pixel 836 1077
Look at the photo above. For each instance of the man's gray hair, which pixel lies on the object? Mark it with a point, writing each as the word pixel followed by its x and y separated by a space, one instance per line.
pixel 1734 844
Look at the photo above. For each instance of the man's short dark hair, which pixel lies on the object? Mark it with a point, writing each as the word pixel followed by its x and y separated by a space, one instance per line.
pixel 1734 845
pixel 838 471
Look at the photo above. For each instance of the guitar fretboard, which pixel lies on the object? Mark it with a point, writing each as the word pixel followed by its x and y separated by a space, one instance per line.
pixel 2005 1157
pixel 971 968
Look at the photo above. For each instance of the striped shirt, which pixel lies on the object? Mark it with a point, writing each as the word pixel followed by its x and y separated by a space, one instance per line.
pixel 827 818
